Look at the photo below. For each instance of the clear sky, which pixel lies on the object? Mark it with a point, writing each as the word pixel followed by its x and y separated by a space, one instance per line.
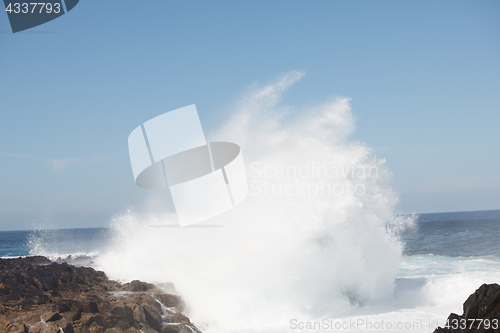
pixel 424 78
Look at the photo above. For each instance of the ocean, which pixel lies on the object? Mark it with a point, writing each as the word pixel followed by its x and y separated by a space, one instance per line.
pixel 446 256
pixel 315 246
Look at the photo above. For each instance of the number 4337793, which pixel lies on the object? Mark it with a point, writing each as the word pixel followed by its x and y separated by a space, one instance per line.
pixel 33 7
pixel 472 323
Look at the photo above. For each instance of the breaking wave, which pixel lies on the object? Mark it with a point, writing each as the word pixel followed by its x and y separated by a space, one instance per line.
pixel 316 236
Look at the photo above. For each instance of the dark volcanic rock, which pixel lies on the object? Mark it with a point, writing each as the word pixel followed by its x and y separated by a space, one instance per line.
pixel 481 313
pixel 38 296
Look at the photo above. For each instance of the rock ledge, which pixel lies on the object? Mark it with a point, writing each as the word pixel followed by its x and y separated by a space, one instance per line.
pixel 40 296
pixel 481 313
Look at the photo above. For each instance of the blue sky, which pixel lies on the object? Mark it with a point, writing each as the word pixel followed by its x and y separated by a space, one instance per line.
pixel 424 78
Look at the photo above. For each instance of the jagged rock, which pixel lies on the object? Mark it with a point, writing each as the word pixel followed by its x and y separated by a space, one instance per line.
pixel 51 316
pixel 483 305
pixel 137 285
pixel 153 313
pixel 37 296
pixel 17 328
pixel 175 328
pixel 65 305
pixel 139 314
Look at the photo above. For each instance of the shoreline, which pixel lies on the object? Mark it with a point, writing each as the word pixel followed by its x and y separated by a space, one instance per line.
pixel 41 296
pixel 481 313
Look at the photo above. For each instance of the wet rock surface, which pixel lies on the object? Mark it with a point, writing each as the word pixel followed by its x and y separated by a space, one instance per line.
pixel 39 296
pixel 481 313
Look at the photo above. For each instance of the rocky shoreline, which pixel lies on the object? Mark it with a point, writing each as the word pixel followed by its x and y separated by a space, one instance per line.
pixel 40 296
pixel 481 313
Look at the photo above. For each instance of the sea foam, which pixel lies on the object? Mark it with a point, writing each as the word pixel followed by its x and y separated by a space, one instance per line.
pixel 315 238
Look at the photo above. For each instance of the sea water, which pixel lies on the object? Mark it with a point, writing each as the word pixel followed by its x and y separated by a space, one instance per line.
pixel 446 257
pixel 315 246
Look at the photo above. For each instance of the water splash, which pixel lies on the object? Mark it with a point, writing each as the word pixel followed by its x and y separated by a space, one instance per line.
pixel 314 238
pixel 77 246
